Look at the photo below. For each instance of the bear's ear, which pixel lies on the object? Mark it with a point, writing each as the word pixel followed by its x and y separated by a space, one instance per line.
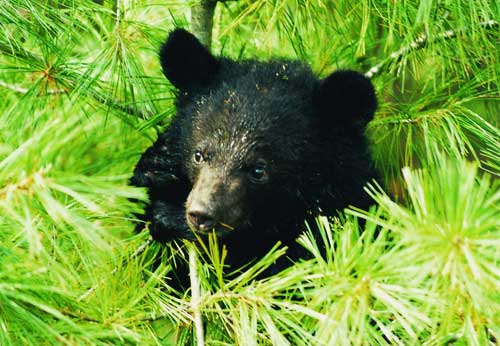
pixel 186 62
pixel 346 98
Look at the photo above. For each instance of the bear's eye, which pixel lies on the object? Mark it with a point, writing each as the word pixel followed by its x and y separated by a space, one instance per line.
pixel 198 156
pixel 258 173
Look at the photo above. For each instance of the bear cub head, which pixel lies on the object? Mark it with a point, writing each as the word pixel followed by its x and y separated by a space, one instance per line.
pixel 264 145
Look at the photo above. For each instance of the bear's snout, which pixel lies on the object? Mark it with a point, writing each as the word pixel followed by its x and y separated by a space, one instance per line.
pixel 214 203
pixel 200 217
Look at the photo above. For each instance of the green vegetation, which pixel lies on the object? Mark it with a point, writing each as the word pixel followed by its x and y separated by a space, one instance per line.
pixel 83 95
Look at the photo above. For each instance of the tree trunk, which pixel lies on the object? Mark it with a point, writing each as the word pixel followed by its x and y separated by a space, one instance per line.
pixel 202 15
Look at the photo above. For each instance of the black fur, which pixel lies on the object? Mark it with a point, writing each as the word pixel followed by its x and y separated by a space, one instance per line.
pixel 185 62
pixel 237 115
pixel 346 98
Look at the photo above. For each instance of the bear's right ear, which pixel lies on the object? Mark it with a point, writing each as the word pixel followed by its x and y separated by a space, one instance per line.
pixel 346 99
pixel 186 62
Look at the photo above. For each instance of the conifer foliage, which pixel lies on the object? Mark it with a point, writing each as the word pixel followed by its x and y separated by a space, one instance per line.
pixel 83 96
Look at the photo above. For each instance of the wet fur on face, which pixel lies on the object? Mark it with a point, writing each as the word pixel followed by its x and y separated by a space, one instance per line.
pixel 236 132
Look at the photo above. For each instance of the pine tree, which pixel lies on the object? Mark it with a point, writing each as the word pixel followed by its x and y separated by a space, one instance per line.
pixel 83 96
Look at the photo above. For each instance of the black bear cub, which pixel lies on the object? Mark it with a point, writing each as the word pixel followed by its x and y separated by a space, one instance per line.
pixel 255 149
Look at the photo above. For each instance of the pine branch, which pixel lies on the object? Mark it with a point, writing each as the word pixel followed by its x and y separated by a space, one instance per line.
pixel 420 43
pixel 137 252
pixel 71 83
pixel 106 101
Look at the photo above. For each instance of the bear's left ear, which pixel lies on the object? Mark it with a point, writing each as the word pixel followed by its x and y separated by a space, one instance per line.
pixel 345 98
pixel 186 62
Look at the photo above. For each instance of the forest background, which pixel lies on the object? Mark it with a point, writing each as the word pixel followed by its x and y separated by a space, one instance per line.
pixel 82 96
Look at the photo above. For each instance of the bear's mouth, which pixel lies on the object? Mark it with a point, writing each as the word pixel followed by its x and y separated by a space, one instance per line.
pixel 220 229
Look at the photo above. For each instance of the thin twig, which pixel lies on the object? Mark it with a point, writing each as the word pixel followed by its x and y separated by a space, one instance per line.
pixel 130 110
pixel 419 43
pixel 16 88
pixel 79 316
pixel 118 13
pixel 195 296
pixel 21 90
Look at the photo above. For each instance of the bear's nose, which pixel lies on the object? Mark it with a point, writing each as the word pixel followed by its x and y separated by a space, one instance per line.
pixel 201 220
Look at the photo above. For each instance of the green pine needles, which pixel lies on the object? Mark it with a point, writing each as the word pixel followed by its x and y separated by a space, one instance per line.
pixel 82 96
pixel 447 246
